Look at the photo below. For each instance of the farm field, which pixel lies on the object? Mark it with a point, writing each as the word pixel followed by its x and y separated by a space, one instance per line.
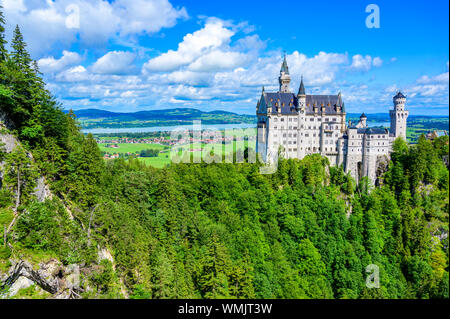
pixel 157 162
pixel 129 147
pixel 163 158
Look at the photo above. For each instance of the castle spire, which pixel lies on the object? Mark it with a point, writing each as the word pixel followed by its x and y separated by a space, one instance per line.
pixel 301 90
pixel 284 78
pixel 284 66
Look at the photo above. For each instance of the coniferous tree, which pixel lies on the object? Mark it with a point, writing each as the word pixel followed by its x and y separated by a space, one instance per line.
pixel 3 51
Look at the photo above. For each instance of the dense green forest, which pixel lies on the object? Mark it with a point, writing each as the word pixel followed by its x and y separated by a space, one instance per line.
pixel 213 230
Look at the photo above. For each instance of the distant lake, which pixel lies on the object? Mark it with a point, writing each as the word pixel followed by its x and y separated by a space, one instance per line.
pixel 382 124
pixel 165 128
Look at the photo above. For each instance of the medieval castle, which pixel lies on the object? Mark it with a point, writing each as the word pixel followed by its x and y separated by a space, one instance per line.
pixel 301 124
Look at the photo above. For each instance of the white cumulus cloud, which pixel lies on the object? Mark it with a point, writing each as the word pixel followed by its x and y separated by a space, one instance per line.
pixel 213 35
pixel 47 23
pixel 115 62
pixel 364 63
pixel 51 65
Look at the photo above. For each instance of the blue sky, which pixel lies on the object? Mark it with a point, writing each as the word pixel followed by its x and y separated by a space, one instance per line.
pixel 131 55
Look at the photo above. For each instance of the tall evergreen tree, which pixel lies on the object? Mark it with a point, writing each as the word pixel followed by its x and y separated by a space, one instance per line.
pixel 20 56
pixel 3 52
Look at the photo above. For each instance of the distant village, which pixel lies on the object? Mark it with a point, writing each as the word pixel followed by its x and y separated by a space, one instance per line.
pixel 206 137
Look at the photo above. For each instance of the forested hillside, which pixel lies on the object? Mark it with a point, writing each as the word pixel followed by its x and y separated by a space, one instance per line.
pixel 93 118
pixel 206 230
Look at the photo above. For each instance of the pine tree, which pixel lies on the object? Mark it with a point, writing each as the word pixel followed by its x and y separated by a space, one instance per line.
pixel 20 56
pixel 3 52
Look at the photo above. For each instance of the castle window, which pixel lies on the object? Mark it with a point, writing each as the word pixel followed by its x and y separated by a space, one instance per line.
pixel 282 119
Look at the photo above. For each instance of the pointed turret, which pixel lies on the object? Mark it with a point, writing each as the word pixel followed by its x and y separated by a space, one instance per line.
pixel 301 90
pixel 284 66
pixel 284 78
pixel 339 101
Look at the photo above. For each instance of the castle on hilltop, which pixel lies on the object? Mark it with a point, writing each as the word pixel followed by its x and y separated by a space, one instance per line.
pixel 301 124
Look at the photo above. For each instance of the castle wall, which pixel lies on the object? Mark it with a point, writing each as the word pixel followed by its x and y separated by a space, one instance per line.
pixel 322 129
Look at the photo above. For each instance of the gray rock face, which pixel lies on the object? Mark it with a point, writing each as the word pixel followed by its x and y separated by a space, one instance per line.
pixel 62 282
pixel 9 140
pixel 20 283
pixel 42 277
pixel 42 191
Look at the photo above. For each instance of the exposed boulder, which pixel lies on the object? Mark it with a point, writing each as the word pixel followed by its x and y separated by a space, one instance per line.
pixel 60 281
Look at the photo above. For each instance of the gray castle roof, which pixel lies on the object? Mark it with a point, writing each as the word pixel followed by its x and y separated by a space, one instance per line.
pixel 301 90
pixel 284 66
pixel 372 130
pixel 289 102
pixel 399 95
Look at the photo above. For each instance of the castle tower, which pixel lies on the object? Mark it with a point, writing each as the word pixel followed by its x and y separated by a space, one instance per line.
pixel 284 78
pixel 363 119
pixel 399 116
pixel 301 95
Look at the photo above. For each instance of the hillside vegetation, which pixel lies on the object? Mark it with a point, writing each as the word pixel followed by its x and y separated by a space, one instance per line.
pixel 93 118
pixel 208 230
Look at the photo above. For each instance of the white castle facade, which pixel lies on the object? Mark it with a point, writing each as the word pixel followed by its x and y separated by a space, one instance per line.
pixel 300 124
